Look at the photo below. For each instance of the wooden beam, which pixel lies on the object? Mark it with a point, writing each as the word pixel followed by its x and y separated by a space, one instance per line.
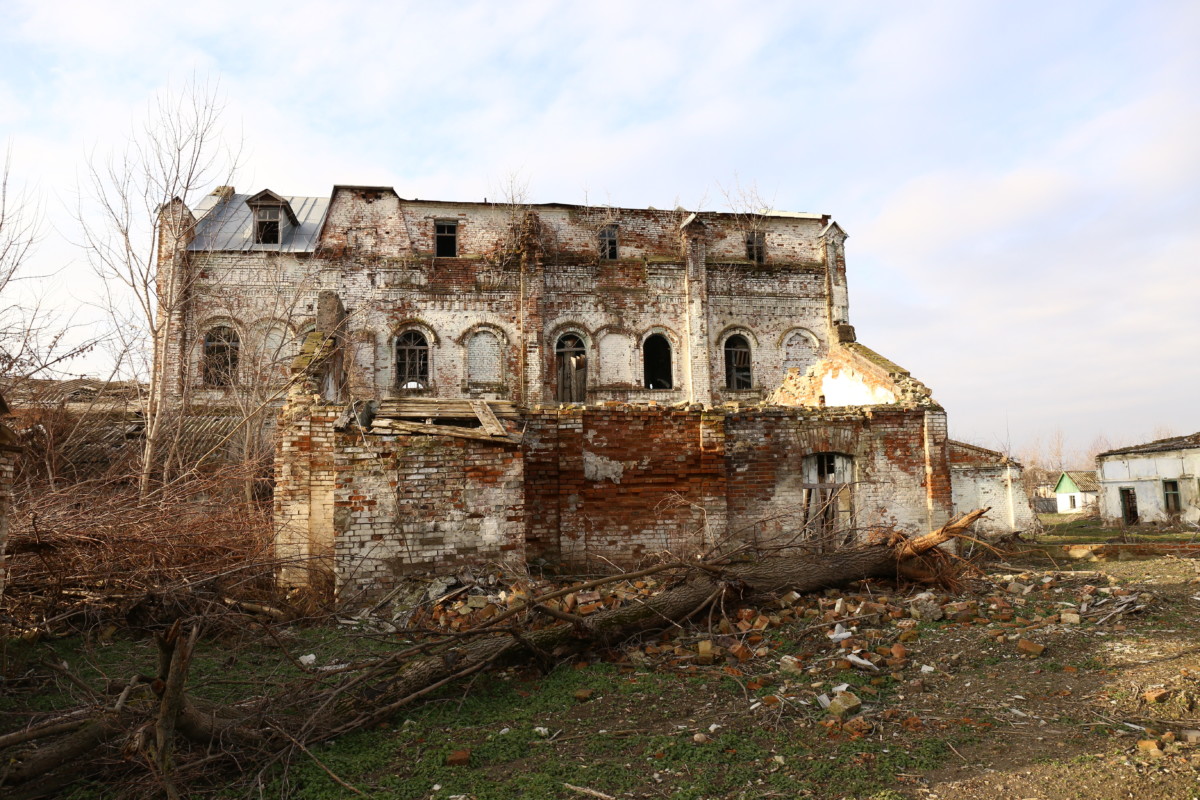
pixel 396 426
pixel 487 419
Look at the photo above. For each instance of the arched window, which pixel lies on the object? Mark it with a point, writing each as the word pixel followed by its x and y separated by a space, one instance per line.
pixel 656 362
pixel 412 361
pixel 737 363
pixel 483 358
pixel 219 363
pixel 799 352
pixel 570 357
pixel 828 500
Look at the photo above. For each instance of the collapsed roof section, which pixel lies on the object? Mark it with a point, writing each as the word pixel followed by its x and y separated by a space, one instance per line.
pixel 852 374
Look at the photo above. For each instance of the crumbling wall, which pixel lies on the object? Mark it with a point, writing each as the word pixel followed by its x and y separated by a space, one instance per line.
pixel 851 374
pixel 982 478
pixel 618 483
pixel 304 492
pixel 405 503
pixel 623 482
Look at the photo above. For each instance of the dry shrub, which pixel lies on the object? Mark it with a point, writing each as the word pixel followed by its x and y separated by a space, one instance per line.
pixel 95 552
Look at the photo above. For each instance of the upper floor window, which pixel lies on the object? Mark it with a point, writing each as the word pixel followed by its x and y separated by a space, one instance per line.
pixel 756 247
pixel 737 363
pixel 656 362
pixel 445 239
pixel 608 242
pixel 266 225
pixel 218 365
pixel 412 361
pixel 273 217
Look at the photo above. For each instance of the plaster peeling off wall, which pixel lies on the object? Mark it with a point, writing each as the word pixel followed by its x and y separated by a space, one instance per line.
pixel 598 468
pixel 848 388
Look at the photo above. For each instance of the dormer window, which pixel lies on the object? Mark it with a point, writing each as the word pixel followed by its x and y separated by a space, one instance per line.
pixel 266 225
pixel 273 217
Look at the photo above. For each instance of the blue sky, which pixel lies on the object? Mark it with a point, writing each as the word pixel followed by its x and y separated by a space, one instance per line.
pixel 1020 181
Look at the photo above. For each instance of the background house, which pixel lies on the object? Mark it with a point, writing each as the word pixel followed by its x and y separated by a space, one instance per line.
pixel 1076 491
pixel 1152 482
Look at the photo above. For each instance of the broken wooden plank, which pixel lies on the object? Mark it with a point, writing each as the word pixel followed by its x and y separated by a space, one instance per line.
pixel 487 419
pixel 397 426
pixel 446 407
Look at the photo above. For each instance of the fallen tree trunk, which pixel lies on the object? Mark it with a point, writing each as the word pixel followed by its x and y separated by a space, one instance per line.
pixel 375 690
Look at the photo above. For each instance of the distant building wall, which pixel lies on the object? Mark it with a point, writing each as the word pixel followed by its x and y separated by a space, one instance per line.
pixel 1145 475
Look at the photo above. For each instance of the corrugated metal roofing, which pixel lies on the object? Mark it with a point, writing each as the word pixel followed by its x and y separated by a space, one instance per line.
pixel 229 225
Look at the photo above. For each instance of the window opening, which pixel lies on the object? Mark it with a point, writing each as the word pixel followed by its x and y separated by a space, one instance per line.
pixel 756 247
pixel 827 499
pixel 412 361
pixel 608 242
pixel 266 225
pixel 220 361
pixel 1071 500
pixel 446 239
pixel 656 362
pixel 1171 499
pixel 737 363
pixel 571 361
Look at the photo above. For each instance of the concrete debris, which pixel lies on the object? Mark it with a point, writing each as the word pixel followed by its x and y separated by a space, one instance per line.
pixel 844 704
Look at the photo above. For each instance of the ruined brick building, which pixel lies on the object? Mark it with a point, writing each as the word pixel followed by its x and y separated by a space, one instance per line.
pixel 553 381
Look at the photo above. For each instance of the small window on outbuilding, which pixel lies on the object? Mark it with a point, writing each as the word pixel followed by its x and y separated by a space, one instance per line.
pixel 656 362
pixel 446 239
pixel 737 363
pixel 218 365
pixel 1171 499
pixel 412 361
pixel 608 242
pixel 756 247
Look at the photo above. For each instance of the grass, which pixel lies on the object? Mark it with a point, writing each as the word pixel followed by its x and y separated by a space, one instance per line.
pixel 1083 529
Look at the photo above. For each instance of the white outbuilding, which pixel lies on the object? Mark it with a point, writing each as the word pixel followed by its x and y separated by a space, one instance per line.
pixel 1154 482
pixel 1076 491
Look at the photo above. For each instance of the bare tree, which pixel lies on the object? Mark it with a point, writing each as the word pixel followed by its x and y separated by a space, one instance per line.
pixel 137 234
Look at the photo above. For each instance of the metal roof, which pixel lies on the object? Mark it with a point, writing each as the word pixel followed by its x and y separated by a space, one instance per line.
pixel 229 225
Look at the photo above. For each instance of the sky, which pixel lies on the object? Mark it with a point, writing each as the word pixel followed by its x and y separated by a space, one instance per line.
pixel 1020 180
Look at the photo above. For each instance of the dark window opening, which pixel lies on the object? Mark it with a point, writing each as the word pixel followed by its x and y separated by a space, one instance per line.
pixel 446 239
pixel 1071 500
pixel 1129 509
pixel 266 225
pixel 220 360
pixel 1171 499
pixel 656 362
pixel 608 242
pixel 570 357
pixel 828 501
pixel 737 363
pixel 756 247
pixel 412 361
